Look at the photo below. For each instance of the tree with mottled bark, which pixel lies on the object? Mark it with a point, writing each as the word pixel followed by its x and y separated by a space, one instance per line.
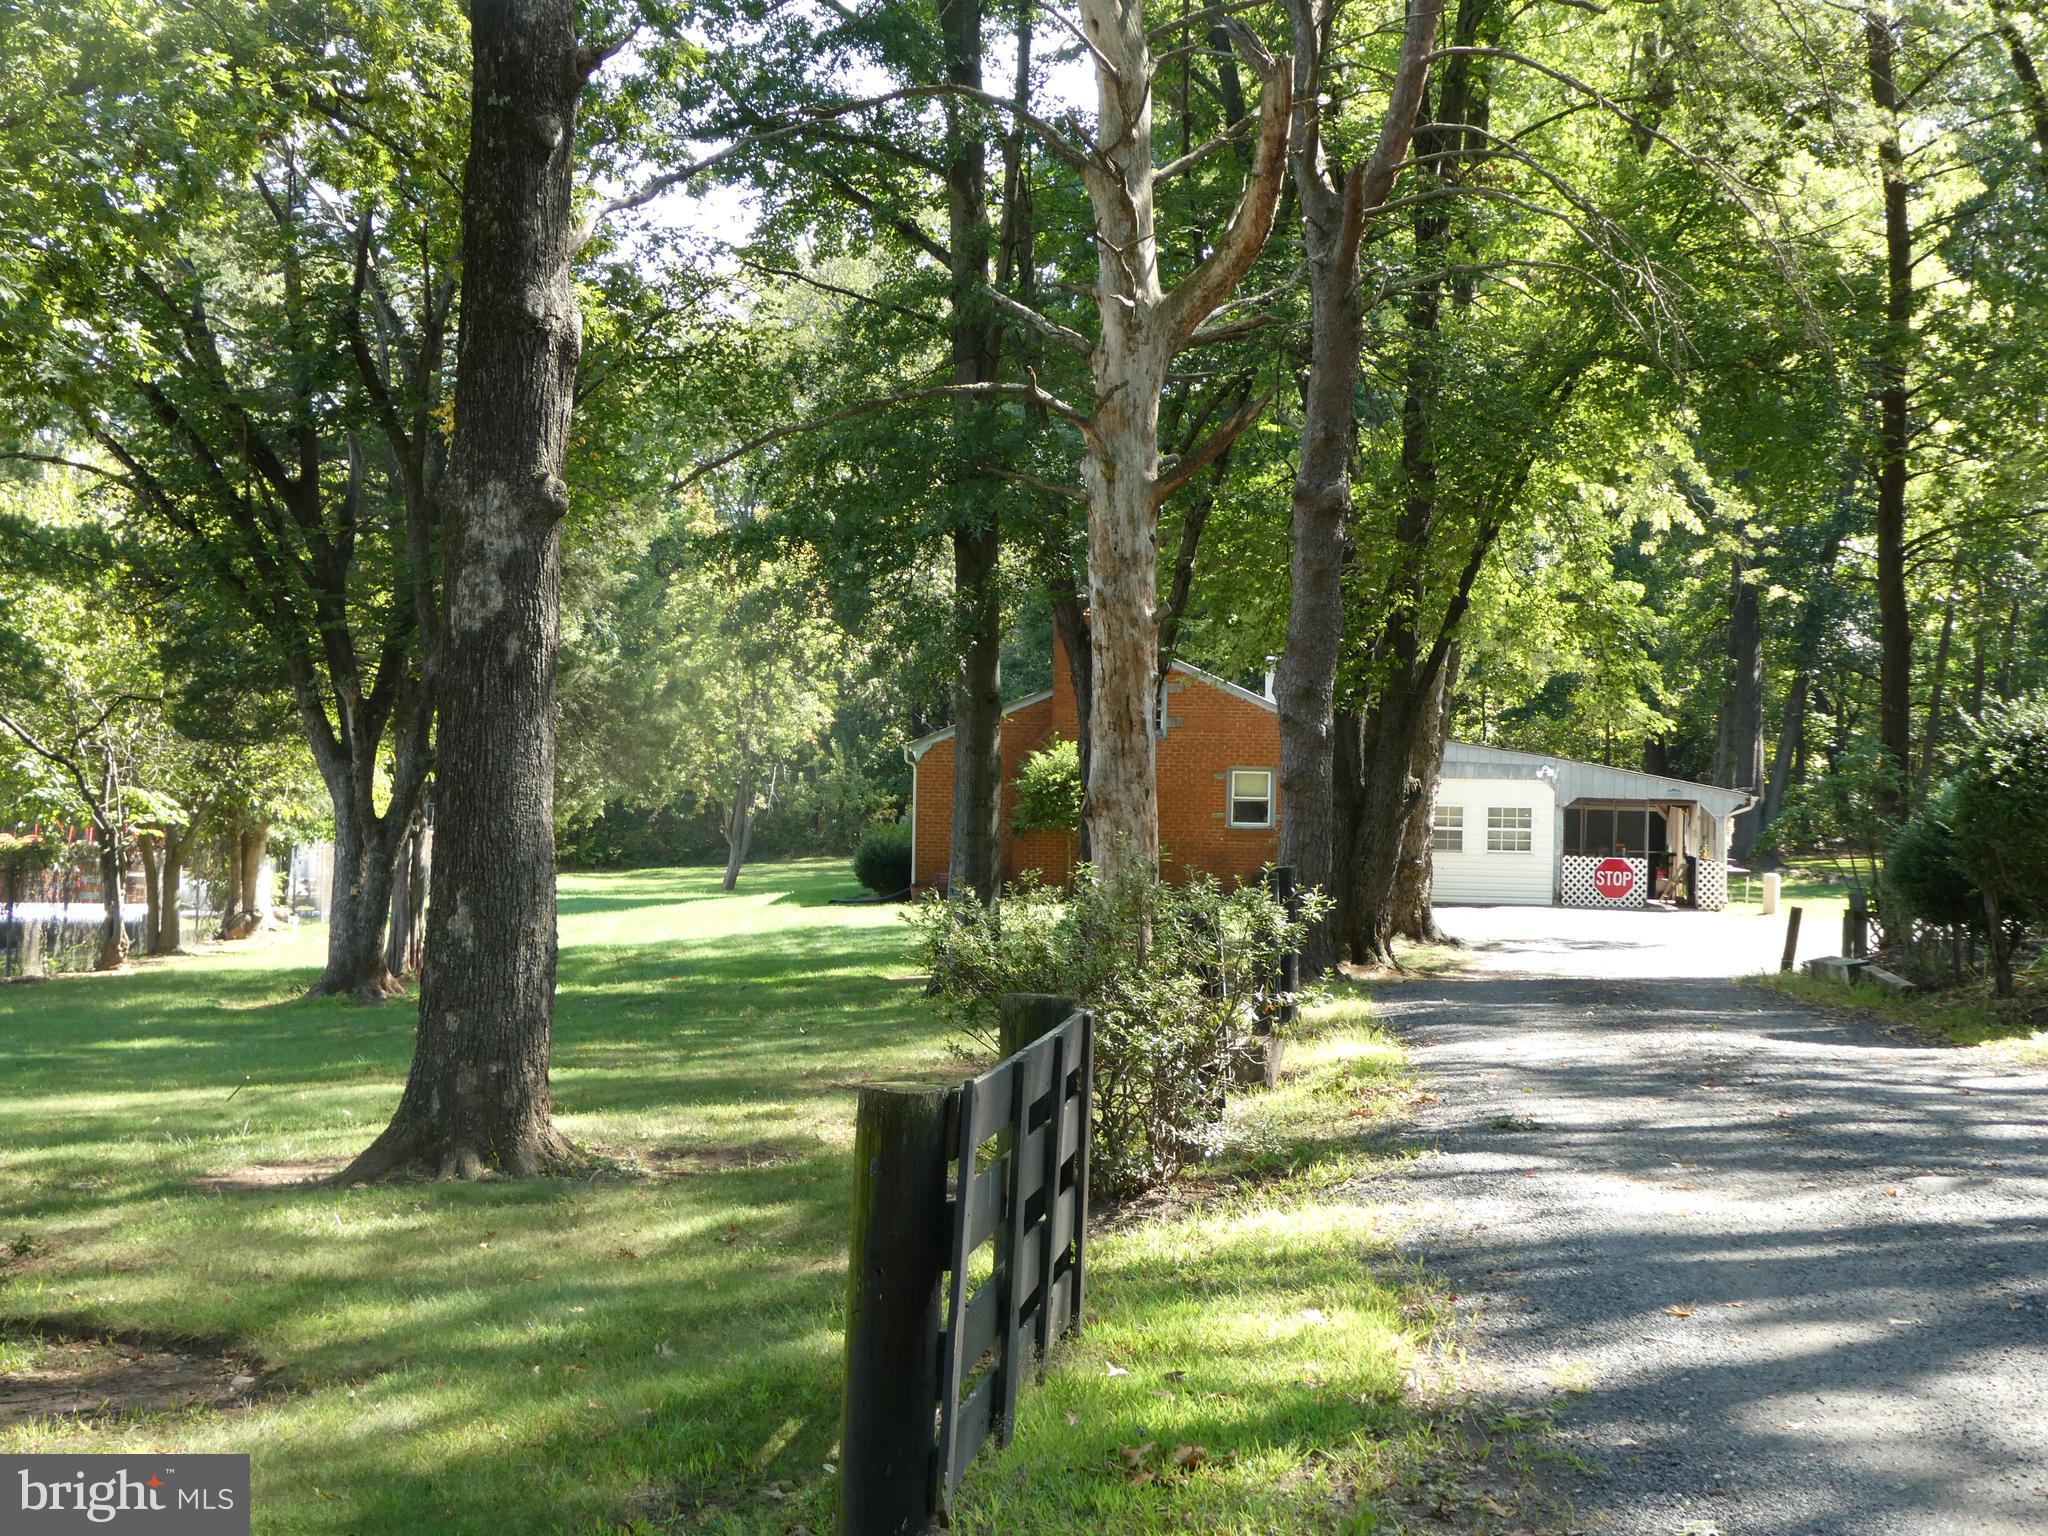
pixel 1142 326
pixel 477 1097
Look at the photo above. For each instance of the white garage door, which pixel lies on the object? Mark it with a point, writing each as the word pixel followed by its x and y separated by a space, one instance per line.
pixel 1495 842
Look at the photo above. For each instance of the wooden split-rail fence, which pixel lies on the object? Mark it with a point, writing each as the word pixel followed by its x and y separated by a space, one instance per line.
pixel 935 1360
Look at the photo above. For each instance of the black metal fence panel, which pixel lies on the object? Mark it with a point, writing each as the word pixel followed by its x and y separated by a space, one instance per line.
pixel 1020 1182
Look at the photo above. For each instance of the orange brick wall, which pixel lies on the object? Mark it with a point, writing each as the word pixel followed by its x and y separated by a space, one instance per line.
pixel 1210 731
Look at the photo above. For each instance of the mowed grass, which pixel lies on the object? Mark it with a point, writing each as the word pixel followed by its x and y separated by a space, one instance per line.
pixel 2014 1031
pixel 658 1348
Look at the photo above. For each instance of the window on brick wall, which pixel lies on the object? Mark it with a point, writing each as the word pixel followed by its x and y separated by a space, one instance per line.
pixel 1251 797
pixel 1447 829
pixel 1509 829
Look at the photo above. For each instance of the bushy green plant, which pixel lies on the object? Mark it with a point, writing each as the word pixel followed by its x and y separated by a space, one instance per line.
pixel 881 861
pixel 1177 977
pixel 1049 790
pixel 1924 876
pixel 2001 823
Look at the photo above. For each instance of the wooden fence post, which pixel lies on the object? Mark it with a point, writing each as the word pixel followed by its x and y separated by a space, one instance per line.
pixel 1028 1017
pixel 1856 928
pixel 1791 940
pixel 887 1434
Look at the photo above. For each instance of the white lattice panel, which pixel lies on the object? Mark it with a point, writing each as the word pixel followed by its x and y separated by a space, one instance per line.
pixel 1711 882
pixel 1605 882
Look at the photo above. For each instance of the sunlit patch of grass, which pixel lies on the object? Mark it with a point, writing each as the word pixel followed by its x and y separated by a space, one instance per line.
pixel 657 1348
pixel 1969 1016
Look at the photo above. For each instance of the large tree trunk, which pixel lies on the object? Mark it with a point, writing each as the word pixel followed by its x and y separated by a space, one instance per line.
pixel 1894 438
pixel 113 949
pixel 148 844
pixel 359 907
pixel 251 845
pixel 1335 205
pixel 1306 679
pixel 975 866
pixel 1415 884
pixel 477 1097
pixel 739 830
pixel 1141 327
pixel 170 934
pixel 1791 746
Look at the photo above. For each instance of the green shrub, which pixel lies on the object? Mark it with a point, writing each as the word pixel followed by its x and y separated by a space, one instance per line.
pixel 2001 823
pixel 881 860
pixel 1924 876
pixel 1049 790
pixel 1177 978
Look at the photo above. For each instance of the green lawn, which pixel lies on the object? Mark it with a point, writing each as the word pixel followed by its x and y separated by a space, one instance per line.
pixel 657 1349
pixel 1969 1016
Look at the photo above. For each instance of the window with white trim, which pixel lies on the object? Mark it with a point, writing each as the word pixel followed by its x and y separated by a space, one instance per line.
pixel 1251 797
pixel 1447 829
pixel 1510 829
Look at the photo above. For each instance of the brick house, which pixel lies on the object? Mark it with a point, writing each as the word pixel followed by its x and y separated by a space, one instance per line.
pixel 1219 782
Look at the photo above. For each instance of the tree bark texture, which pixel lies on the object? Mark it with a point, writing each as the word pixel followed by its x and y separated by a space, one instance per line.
pixel 1141 327
pixel 477 1097
pixel 113 950
pixel 149 845
pixel 1415 883
pixel 739 830
pixel 1336 203
pixel 1895 438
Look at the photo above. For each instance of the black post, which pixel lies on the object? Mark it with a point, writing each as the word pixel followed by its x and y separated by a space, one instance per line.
pixel 1791 940
pixel 1856 927
pixel 1028 1017
pixel 887 1434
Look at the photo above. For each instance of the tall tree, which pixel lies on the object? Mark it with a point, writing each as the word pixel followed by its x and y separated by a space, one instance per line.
pixel 239 299
pixel 477 1097
pixel 1142 326
pixel 1336 204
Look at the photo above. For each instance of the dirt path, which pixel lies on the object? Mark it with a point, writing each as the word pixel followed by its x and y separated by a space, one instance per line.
pixel 1791 1272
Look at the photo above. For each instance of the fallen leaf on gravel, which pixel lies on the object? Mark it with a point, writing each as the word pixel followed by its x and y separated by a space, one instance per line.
pixel 1677 1311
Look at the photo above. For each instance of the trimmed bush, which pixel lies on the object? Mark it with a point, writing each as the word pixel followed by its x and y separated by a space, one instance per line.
pixel 1177 976
pixel 1924 874
pixel 2001 824
pixel 1049 790
pixel 881 860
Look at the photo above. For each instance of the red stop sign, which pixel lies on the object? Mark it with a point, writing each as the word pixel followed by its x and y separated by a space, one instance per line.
pixel 1614 878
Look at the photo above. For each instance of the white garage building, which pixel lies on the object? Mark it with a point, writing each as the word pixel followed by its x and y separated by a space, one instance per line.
pixel 1522 829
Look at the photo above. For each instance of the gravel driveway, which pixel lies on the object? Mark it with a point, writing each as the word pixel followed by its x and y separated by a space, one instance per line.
pixel 1790 1272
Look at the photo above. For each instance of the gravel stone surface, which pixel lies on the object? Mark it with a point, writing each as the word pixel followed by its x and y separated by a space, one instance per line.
pixel 1789 1272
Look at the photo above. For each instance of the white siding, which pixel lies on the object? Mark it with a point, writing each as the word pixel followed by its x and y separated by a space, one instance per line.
pixel 1478 878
